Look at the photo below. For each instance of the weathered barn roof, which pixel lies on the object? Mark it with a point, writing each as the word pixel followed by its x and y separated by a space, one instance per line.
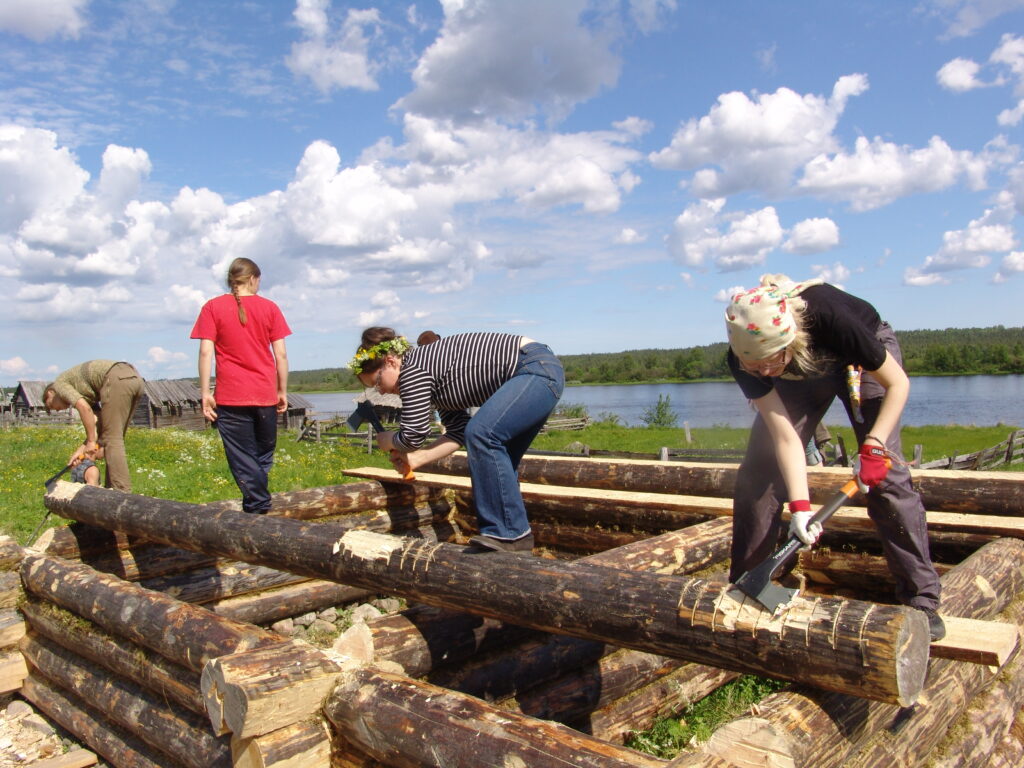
pixel 172 391
pixel 31 393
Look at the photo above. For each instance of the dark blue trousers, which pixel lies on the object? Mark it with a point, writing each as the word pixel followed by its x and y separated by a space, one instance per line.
pixel 249 434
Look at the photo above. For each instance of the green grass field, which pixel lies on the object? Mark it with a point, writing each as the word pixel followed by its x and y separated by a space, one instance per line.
pixel 167 463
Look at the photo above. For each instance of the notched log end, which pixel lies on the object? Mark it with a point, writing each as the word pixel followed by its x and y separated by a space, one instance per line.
pixel 912 661
pixel 61 493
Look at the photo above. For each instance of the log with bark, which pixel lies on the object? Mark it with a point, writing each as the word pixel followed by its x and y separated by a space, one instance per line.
pixel 270 605
pixel 990 493
pixel 12 627
pixel 909 741
pixel 643 708
pixel 118 746
pixel 144 667
pixel 986 721
pixel 186 634
pixel 422 638
pixel 848 518
pixel 370 505
pixel 175 731
pixel 818 729
pixel 878 652
pixel 401 721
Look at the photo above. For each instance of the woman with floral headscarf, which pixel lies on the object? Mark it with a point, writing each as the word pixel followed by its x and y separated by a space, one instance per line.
pixel 513 381
pixel 790 347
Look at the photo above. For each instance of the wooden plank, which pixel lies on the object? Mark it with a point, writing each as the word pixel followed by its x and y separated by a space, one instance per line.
pixel 12 627
pixel 846 518
pixel 80 758
pixel 977 641
pixel 13 671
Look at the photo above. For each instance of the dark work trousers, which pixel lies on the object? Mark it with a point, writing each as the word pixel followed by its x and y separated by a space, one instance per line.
pixel 893 505
pixel 249 434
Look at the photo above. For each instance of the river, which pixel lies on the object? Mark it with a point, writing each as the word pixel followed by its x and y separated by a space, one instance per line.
pixel 965 400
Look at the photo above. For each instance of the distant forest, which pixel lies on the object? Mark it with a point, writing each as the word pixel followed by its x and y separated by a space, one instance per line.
pixel 951 351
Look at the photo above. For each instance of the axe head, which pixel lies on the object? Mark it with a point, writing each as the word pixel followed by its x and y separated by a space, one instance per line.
pixel 757 583
pixel 364 412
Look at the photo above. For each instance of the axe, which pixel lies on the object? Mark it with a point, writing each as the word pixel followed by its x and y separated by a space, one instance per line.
pixel 53 480
pixel 364 412
pixel 757 582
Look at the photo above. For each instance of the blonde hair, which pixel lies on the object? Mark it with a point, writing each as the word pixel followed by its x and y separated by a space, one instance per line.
pixel 800 347
pixel 240 272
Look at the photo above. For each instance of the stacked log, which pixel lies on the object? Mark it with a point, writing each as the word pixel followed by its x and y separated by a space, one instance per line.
pixel 501 640
pixel 811 727
pixel 12 624
pixel 865 649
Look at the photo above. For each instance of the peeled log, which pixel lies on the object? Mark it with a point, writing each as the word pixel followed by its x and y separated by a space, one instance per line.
pixel 176 732
pixel 989 493
pixel 818 729
pixel 117 745
pixel 183 633
pixel 260 691
pixel 865 649
pixel 302 745
pixel 401 721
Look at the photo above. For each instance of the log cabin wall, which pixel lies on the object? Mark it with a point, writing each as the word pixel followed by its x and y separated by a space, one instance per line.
pixel 204 683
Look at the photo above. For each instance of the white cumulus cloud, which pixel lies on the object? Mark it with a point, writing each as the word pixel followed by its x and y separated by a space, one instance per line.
pixel 812 236
pixel 733 241
pixel 745 143
pixel 507 59
pixel 334 59
pixel 41 19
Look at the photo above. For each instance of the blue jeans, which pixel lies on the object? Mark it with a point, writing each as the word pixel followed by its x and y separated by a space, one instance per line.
pixel 249 434
pixel 500 432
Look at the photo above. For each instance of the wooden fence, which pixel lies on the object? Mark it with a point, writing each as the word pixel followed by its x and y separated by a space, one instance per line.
pixel 1010 451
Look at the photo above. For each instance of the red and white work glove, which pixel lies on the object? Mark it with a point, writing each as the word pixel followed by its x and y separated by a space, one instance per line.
pixel 799 517
pixel 871 466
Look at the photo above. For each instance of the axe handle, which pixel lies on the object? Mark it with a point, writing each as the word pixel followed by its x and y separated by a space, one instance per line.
pixel 828 509
pixel 56 477
pixel 843 495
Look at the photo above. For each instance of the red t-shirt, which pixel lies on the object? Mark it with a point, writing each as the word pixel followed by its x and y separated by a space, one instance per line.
pixel 246 370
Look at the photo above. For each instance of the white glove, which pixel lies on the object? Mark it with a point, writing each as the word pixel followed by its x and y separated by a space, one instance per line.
pixel 798 527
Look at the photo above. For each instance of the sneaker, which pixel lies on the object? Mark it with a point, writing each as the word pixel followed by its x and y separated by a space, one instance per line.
pixel 490 544
pixel 936 627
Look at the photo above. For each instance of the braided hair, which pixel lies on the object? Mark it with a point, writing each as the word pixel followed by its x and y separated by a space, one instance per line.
pixel 239 273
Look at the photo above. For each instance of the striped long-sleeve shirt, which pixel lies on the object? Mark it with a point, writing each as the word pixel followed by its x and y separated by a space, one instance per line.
pixel 451 375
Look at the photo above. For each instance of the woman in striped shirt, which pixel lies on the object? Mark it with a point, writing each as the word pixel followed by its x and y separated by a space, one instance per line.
pixel 514 381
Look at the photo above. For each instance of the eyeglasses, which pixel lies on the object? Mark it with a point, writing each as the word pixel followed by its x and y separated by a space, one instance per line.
pixel 768 365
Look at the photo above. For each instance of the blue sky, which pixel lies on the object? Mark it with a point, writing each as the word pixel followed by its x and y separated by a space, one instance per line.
pixel 595 174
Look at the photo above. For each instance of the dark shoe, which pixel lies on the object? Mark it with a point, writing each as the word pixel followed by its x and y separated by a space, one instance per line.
pixel 936 627
pixel 490 544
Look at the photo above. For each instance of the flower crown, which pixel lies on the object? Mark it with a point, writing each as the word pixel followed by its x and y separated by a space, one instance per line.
pixel 397 346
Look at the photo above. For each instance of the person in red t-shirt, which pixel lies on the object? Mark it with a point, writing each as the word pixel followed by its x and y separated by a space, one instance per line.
pixel 245 333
